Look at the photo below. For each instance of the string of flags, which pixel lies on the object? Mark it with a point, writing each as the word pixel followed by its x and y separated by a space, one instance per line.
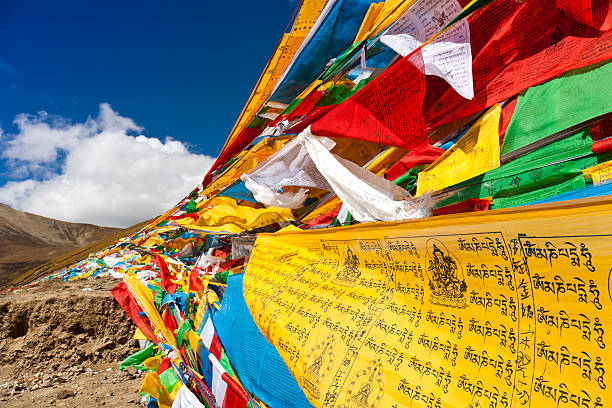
pixel 368 113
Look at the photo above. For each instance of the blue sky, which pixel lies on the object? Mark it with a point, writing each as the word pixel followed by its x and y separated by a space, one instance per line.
pixel 178 69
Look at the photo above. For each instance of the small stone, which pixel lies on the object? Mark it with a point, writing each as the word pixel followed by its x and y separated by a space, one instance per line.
pixel 63 394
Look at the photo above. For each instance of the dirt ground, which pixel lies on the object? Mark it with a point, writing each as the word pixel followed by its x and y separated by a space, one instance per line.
pixel 61 345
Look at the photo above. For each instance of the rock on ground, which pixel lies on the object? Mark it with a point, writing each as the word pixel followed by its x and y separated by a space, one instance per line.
pixel 61 345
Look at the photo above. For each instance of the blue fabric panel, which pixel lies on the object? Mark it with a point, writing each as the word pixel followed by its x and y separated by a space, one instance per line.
pixel 334 36
pixel 588 191
pixel 257 363
pixel 238 191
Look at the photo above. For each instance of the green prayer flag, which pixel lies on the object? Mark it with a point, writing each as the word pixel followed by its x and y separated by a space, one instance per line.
pixel 558 104
pixel 137 358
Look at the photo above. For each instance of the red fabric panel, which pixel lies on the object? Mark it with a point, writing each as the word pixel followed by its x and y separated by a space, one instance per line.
pixel 602 129
pixel 315 115
pixel 169 320
pixel 195 284
pixel 163 366
pixel 230 264
pixel 515 45
pixel 473 204
pixel 306 106
pixel 164 275
pixel 240 142
pixel 602 146
pixel 235 397
pixel 425 154
pixel 324 218
pixel 593 13
pixel 194 217
pixel 506 116
pixel 215 347
pixel 385 111
pixel 127 302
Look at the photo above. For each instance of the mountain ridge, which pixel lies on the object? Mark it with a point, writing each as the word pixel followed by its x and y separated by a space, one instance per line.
pixel 28 240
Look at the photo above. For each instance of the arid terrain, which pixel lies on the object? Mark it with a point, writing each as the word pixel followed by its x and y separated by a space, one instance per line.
pixel 28 240
pixel 61 345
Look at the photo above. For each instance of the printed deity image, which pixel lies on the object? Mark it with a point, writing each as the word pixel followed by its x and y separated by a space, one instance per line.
pixel 446 279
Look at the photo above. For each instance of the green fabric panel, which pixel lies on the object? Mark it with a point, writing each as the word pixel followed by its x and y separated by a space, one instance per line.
pixel 180 334
pixel 292 106
pixel 507 181
pixel 576 145
pixel 343 58
pixel 225 363
pixel 159 296
pixel 137 358
pixel 168 379
pixel 191 206
pixel 335 95
pixel 558 104
pixel 540 194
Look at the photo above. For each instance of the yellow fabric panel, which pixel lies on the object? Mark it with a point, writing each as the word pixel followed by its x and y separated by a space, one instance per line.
pixel 144 298
pixel 261 151
pixel 475 153
pixel 330 205
pixel 368 22
pixel 494 309
pixel 227 215
pixel 152 386
pixel 391 11
pixel 139 335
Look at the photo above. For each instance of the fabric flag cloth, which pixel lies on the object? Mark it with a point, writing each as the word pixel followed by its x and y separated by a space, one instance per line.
pixel 593 13
pixel 185 399
pixel 385 111
pixel 290 166
pixel 127 302
pixel 516 45
pixel 260 367
pixel 420 155
pixel 475 153
pixel 227 216
pixel 241 141
pixel 470 205
pixel 558 104
pixel 227 393
pixel 450 55
pixel 331 34
pixel 365 195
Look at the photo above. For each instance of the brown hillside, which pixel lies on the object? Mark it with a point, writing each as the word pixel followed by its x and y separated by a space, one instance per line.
pixel 72 256
pixel 28 240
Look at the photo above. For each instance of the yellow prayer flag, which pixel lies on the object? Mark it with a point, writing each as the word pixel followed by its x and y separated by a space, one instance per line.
pixel 506 308
pixel 144 298
pixel 475 153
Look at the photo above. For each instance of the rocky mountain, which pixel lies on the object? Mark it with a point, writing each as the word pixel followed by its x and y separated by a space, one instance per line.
pixel 28 240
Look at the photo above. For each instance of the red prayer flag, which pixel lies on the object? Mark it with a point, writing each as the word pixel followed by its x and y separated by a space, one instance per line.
pixel 516 45
pixel 425 154
pixel 240 142
pixel 164 275
pixel 126 300
pixel 388 110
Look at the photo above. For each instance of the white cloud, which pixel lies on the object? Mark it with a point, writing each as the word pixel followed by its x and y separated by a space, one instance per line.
pixel 96 171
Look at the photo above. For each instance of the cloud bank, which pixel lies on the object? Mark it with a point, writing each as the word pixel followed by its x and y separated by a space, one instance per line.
pixel 102 171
